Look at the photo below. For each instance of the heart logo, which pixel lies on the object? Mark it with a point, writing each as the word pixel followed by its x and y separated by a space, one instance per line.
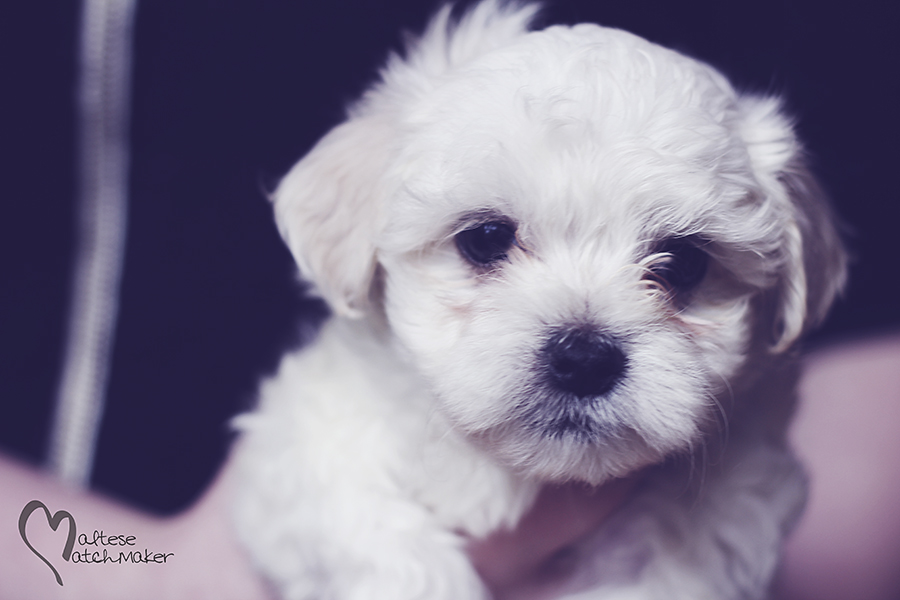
pixel 54 522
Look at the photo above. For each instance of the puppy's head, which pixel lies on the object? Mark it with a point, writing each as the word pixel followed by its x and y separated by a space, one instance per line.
pixel 580 238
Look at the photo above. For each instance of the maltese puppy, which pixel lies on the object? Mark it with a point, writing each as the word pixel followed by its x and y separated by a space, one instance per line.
pixel 565 255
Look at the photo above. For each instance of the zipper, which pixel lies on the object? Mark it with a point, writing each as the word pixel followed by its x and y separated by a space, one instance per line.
pixel 103 113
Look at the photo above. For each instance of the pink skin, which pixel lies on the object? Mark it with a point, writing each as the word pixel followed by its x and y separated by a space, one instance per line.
pixel 207 561
pixel 511 562
pixel 847 431
pixel 846 547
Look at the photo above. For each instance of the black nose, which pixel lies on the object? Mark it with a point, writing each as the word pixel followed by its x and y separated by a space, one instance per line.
pixel 583 362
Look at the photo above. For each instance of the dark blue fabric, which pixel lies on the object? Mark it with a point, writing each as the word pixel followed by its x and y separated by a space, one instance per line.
pixel 229 93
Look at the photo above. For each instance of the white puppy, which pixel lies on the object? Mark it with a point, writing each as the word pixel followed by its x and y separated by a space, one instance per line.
pixel 552 256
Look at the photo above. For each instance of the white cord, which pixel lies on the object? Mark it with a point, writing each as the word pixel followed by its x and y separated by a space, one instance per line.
pixel 103 152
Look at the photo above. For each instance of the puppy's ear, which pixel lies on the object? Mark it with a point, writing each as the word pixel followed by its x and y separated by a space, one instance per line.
pixel 814 264
pixel 328 209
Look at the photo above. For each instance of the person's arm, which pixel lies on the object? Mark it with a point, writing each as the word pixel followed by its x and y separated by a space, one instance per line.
pixel 200 558
pixel 847 432
pixel 192 556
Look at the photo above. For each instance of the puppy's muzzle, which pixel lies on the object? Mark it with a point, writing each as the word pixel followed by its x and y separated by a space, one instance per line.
pixel 583 362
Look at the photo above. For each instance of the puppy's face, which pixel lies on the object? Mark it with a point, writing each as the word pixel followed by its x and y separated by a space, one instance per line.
pixel 571 258
pixel 574 232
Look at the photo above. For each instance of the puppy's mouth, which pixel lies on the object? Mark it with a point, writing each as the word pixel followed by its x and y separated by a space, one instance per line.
pixel 552 415
pixel 574 426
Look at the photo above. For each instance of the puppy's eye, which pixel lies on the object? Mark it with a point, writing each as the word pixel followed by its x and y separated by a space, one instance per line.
pixel 486 243
pixel 681 267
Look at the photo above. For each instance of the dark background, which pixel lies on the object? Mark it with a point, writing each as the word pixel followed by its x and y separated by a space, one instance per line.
pixel 228 94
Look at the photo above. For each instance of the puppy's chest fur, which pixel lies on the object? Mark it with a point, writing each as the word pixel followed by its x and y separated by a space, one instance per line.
pixel 350 405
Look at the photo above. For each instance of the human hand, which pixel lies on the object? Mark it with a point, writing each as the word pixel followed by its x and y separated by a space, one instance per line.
pixel 511 562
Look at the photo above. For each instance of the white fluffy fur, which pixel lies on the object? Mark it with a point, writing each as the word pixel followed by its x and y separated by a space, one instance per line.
pixel 399 435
